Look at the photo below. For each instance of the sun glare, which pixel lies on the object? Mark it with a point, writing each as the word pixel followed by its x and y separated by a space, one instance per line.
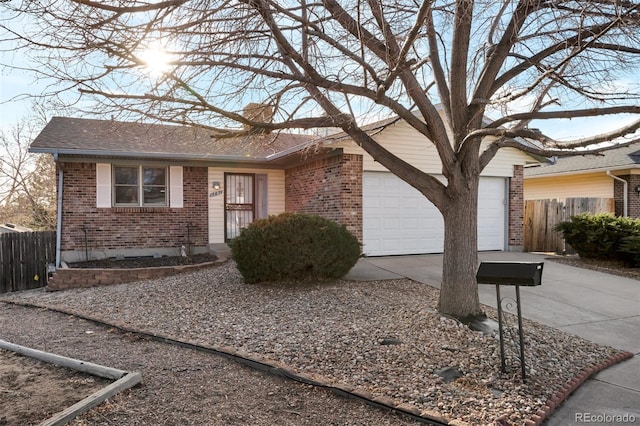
pixel 156 60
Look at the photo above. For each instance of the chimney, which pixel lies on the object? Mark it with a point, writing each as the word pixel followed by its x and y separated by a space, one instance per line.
pixel 258 112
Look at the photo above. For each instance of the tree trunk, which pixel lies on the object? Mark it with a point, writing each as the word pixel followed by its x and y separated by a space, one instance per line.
pixel 459 291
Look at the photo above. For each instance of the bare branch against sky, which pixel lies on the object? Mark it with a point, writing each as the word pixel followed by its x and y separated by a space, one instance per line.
pixel 367 57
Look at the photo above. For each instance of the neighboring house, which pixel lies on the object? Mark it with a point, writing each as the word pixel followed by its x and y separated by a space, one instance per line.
pixel 8 228
pixel 612 174
pixel 147 189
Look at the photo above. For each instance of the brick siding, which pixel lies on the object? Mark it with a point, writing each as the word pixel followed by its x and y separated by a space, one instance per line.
pixel 130 227
pixel 329 187
pixel 633 198
pixel 516 209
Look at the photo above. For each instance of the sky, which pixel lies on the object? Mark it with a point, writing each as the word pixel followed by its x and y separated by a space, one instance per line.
pixel 16 85
pixel 14 105
pixel 13 84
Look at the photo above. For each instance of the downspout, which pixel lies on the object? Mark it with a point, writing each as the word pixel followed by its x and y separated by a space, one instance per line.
pixel 625 195
pixel 59 208
pixel 507 209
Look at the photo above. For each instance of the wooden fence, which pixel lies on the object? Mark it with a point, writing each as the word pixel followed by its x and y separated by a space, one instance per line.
pixel 540 216
pixel 24 257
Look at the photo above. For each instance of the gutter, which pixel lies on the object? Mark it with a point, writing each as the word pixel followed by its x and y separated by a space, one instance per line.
pixel 625 195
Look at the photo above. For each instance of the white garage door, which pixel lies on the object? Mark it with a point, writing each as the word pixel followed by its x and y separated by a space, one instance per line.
pixel 397 219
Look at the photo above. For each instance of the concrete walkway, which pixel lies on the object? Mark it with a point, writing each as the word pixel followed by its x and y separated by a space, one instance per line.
pixel 599 307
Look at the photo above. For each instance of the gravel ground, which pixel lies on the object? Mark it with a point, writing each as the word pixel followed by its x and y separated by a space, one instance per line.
pixel 181 386
pixel 339 331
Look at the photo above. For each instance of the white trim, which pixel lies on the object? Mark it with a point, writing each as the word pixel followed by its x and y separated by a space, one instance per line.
pixel 103 185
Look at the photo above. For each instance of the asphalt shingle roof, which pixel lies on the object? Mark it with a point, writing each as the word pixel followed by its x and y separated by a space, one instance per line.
pixel 106 137
pixel 615 158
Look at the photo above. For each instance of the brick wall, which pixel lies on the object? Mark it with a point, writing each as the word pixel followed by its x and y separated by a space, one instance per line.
pixel 81 278
pixel 516 209
pixel 130 227
pixel 329 187
pixel 633 199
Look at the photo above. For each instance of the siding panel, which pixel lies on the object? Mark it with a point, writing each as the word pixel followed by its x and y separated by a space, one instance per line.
pixel 414 148
pixel 594 185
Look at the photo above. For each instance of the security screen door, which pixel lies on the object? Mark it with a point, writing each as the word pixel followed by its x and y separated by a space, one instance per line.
pixel 239 202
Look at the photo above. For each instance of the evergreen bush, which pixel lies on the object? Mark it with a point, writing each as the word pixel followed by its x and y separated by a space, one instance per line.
pixel 630 250
pixel 294 247
pixel 599 236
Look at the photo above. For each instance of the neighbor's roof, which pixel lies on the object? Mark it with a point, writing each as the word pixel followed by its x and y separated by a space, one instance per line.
pixel 614 159
pixel 10 227
pixel 87 137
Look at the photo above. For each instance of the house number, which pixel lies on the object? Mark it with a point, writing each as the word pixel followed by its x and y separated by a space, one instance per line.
pixel 216 193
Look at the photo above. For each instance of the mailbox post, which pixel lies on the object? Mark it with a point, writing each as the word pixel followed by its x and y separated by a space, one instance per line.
pixel 512 274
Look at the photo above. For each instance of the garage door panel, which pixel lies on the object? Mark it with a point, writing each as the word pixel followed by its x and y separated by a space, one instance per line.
pixel 397 219
pixel 372 224
pixel 411 223
pixel 391 202
pixel 371 203
pixel 410 203
pixel 390 224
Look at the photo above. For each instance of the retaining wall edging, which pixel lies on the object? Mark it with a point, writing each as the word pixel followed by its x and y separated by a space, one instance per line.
pixel 66 278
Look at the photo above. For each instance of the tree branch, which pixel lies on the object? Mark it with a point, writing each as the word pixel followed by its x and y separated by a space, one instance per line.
pixel 131 9
pixel 575 113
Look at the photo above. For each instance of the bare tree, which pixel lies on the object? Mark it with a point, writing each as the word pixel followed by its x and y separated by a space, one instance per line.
pixel 27 181
pixel 440 66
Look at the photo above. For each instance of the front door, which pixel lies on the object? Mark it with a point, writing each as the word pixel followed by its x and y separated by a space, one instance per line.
pixel 239 202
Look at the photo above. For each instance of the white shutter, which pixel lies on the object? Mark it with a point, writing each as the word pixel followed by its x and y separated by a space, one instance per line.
pixel 103 185
pixel 175 187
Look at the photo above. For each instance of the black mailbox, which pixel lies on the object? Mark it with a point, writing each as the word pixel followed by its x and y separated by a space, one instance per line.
pixel 510 273
pixel 515 274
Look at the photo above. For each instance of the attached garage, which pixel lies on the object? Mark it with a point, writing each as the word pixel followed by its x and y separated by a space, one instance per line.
pixel 397 219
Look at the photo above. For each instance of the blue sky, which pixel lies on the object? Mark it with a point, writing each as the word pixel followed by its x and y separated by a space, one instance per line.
pixel 14 105
pixel 16 84
pixel 12 85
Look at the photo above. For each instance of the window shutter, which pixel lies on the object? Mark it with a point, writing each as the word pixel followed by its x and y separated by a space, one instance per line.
pixel 103 185
pixel 175 187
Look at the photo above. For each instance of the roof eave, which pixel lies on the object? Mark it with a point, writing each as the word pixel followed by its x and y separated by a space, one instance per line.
pixel 159 155
pixel 584 171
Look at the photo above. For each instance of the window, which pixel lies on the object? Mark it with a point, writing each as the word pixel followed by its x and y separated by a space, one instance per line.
pixel 139 186
pixel 135 186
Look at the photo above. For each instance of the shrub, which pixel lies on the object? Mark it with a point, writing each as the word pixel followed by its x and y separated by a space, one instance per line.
pixel 598 236
pixel 630 250
pixel 293 246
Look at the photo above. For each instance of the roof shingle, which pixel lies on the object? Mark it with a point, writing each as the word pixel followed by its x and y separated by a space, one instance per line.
pixel 106 137
pixel 615 158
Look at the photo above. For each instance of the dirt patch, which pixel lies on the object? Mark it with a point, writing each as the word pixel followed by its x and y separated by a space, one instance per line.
pixel 31 391
pixel 145 262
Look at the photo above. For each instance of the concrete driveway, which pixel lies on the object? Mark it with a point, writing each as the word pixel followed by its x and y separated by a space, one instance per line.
pixel 599 307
